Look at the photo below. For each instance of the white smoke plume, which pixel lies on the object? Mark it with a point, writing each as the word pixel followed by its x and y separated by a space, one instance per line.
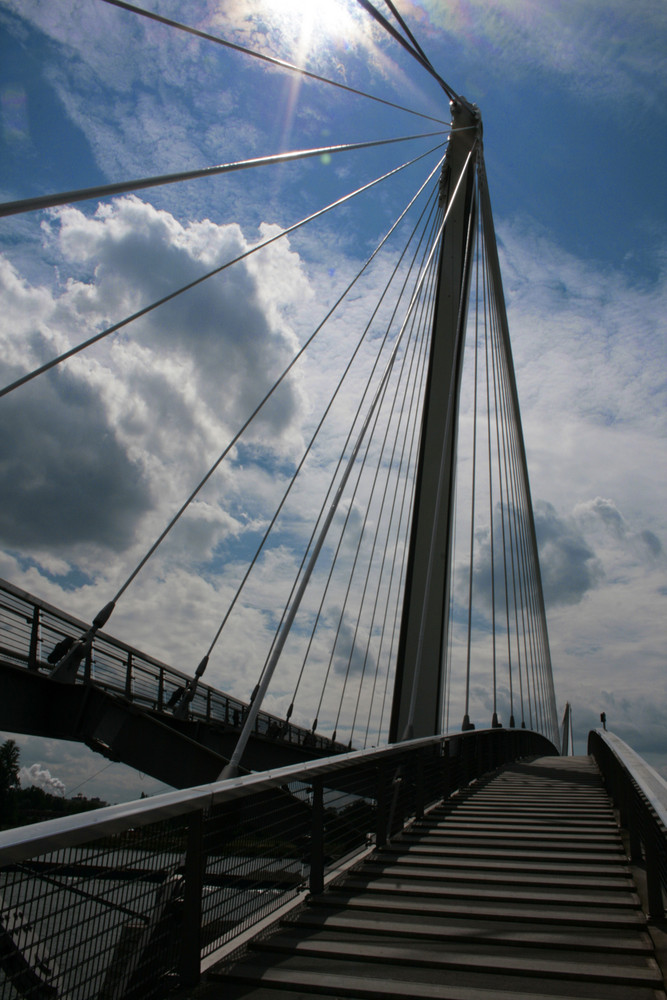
pixel 40 776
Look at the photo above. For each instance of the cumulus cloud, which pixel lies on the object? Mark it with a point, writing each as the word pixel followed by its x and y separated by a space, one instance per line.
pixel 569 565
pixel 95 446
pixel 40 776
pixel 601 516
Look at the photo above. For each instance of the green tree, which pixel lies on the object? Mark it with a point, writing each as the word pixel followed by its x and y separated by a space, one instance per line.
pixel 9 781
pixel 9 766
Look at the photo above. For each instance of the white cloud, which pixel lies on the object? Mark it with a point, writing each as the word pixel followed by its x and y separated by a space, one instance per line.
pixel 128 428
pixel 589 348
pixel 590 353
pixel 42 778
pixel 604 49
pixel 80 770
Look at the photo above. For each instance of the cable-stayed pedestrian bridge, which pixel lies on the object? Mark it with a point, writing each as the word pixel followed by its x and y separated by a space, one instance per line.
pixel 382 593
pixel 125 704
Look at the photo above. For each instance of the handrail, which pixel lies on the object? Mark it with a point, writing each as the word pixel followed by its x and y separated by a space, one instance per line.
pixel 652 785
pixel 119 668
pixel 124 899
pixel 69 831
pixel 641 796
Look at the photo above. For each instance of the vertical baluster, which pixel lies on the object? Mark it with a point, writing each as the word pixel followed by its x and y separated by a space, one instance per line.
pixel 317 839
pixel 190 957
pixel 128 677
pixel 34 639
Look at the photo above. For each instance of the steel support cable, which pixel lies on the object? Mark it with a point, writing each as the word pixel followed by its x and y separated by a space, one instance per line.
pixel 492 253
pixel 407 31
pixel 510 529
pixel 535 661
pixel 382 20
pixel 140 183
pixel 508 494
pixel 411 435
pixel 539 641
pixel 66 355
pixel 404 426
pixel 271 60
pixel 357 414
pixel 450 633
pixel 509 491
pixel 538 658
pixel 472 500
pixel 403 537
pixel 450 416
pixel 502 512
pixel 352 570
pixel 517 492
pixel 243 428
pixel 544 673
pixel 416 341
pixel 528 570
pixel 509 422
pixel 511 525
pixel 540 655
pixel 67 667
pixel 486 293
pixel 287 624
pixel 254 708
pixel 362 466
pixel 527 600
pixel 400 537
pixel 329 404
pixel 413 344
pixel 481 256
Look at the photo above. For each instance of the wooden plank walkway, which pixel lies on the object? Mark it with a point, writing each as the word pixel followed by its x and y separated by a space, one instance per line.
pixel 518 888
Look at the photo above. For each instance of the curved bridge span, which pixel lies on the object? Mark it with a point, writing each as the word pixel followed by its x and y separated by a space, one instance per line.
pixel 124 704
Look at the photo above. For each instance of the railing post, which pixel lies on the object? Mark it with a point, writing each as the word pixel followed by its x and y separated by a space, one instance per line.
pixel 445 786
pixel 623 795
pixel 420 790
pixel 160 691
pixel 656 904
pixel 190 957
pixel 317 839
pixel 88 665
pixel 382 815
pixel 128 677
pixel 34 639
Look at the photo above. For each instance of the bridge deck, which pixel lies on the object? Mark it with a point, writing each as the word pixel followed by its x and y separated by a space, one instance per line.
pixel 519 888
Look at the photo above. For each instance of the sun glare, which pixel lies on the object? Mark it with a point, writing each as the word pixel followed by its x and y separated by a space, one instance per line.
pixel 314 23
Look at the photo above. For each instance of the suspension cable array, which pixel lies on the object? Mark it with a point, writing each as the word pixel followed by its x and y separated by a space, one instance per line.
pixel 348 630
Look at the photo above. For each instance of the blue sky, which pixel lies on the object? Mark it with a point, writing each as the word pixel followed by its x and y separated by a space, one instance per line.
pixel 574 105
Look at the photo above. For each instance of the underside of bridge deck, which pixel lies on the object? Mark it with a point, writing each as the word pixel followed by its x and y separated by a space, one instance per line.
pixel 180 752
pixel 518 887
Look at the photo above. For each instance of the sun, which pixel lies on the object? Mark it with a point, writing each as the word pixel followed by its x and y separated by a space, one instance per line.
pixel 314 24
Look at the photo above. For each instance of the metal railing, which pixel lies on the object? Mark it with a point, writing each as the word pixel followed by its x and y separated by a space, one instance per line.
pixel 640 795
pixel 31 629
pixel 123 902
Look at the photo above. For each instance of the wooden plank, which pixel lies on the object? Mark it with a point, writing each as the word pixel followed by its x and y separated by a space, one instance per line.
pixel 647 974
pixel 517 890
pixel 461 931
